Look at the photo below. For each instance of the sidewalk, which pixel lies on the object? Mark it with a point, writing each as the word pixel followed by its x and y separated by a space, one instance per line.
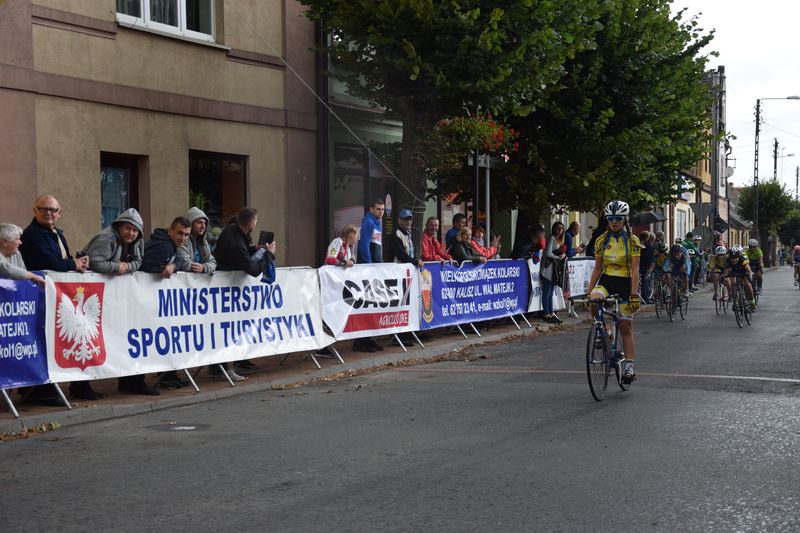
pixel 298 370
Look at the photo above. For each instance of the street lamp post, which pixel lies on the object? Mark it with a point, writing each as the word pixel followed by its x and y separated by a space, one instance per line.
pixel 755 158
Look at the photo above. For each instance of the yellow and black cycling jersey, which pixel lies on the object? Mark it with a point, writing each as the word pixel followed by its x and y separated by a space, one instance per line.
pixel 617 252
pixel 660 259
pixel 739 266
pixel 718 262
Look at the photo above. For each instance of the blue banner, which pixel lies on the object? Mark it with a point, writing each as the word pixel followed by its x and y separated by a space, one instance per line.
pixel 472 293
pixel 23 352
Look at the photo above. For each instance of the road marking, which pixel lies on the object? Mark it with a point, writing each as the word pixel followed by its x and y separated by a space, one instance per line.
pixel 651 374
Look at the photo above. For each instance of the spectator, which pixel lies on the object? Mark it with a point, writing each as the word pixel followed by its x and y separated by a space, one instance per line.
pixel 553 254
pixel 402 240
pixel 529 245
pixel 659 238
pixel 370 242
pixel 432 249
pixel 194 255
pixel 161 251
pixel 44 247
pixel 370 250
pixel 341 250
pixel 235 251
pixel 478 243
pixel 118 250
pixel 646 259
pixel 573 232
pixel 459 221
pixel 11 264
pixel 602 226
pixel 462 248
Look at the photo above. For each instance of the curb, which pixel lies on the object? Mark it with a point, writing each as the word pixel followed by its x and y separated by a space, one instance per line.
pixel 433 352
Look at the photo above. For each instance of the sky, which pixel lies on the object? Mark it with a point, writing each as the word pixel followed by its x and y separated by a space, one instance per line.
pixel 755 41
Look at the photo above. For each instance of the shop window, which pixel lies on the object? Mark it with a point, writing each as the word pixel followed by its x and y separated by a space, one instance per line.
pixel 217 185
pixel 190 18
pixel 119 185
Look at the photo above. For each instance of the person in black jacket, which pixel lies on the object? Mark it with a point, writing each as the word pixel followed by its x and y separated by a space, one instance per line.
pixel 161 251
pixel 462 251
pixel 235 251
pixel 45 248
pixel 403 241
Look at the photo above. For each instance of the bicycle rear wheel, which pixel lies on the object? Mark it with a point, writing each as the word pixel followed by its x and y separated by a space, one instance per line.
pixel 718 302
pixel 683 306
pixel 726 301
pixel 597 361
pixel 747 310
pixel 659 301
pixel 670 304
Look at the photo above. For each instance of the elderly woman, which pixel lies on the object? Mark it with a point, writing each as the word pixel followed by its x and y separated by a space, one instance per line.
pixel 462 248
pixel 11 264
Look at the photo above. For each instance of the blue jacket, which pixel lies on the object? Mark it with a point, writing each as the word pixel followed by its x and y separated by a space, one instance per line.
pixel 40 249
pixel 450 237
pixel 370 247
pixel 159 252
pixel 568 237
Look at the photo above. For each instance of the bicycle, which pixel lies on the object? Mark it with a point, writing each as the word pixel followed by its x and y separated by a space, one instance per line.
pixel 602 351
pixel 721 303
pixel 678 295
pixel 741 306
pixel 661 296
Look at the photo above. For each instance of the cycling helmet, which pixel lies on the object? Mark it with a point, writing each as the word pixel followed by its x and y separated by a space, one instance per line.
pixel 617 208
pixel 752 243
pixel 678 240
pixel 691 252
pixel 736 251
pixel 697 238
pixel 676 249
pixel 663 248
pixel 720 250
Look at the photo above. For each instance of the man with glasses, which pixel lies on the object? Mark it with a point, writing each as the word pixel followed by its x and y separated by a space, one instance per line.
pixel 44 247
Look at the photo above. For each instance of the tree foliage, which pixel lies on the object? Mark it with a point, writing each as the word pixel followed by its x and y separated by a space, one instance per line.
pixel 789 229
pixel 425 59
pixel 775 204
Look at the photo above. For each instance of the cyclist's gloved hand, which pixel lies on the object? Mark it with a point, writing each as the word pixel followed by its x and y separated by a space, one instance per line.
pixel 634 301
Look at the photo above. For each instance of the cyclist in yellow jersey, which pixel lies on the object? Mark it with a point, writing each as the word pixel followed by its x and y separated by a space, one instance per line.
pixel 616 271
pixel 738 265
pixel 657 267
pixel 716 266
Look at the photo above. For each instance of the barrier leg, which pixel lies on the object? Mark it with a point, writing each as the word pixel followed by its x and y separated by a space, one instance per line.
pixel 526 320
pixel 191 380
pixel 417 339
pixel 462 332
pixel 313 358
pixel 225 373
pixel 403 346
pixel 478 333
pixel 63 398
pixel 571 312
pixel 9 403
pixel 514 321
pixel 339 357
pixel 285 357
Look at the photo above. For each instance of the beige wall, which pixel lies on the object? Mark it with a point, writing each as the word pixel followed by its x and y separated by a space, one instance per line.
pixel 71 134
pixel 99 9
pixel 139 59
pixel 254 25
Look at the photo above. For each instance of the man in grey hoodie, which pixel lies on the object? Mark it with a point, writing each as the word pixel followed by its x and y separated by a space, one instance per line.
pixel 118 250
pixel 194 255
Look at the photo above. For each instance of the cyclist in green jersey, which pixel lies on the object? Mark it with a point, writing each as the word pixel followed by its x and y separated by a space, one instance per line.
pixel 756 258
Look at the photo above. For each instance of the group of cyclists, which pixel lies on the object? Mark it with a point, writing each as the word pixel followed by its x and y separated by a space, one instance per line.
pixel 616 271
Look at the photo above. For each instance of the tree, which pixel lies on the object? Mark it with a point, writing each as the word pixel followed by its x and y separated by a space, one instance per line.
pixel 628 114
pixel 789 230
pixel 423 60
pixel 775 205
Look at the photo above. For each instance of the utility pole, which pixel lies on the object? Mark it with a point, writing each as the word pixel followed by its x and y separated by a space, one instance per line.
pixel 755 167
pixel 775 160
pixel 797 185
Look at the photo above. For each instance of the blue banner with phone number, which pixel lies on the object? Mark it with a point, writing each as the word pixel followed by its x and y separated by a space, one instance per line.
pixel 23 351
pixel 473 292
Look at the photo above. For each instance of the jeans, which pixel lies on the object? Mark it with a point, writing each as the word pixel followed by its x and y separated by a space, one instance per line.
pixel 548 287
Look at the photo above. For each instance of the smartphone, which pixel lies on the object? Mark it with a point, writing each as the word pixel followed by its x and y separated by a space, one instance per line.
pixel 266 237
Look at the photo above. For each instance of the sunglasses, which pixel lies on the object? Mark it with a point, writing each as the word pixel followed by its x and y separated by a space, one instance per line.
pixel 615 219
pixel 48 209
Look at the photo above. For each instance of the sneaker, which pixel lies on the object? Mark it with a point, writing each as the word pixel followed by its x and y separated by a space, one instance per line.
pixel 714 297
pixel 243 370
pixel 245 364
pixel 233 375
pixel 628 375
pixel 143 389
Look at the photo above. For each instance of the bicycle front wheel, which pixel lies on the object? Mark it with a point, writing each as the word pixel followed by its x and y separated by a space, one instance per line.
pixel 659 302
pixel 597 360
pixel 683 304
pixel 738 306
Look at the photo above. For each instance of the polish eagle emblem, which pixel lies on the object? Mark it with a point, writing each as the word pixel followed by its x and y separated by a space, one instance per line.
pixel 78 325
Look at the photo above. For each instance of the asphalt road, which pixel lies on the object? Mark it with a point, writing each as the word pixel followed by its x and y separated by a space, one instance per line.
pixel 707 439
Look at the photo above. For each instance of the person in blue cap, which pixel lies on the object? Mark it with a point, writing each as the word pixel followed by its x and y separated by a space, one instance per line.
pixel 403 242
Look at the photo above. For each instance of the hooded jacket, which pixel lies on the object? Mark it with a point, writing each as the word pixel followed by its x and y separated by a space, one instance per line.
pixel 196 249
pixel 105 249
pixel 159 252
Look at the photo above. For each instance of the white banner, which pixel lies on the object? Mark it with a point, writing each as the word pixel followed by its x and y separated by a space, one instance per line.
pixel 535 302
pixel 369 300
pixel 580 273
pixel 101 326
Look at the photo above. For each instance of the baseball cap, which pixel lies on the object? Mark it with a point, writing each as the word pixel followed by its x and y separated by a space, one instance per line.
pixel 405 213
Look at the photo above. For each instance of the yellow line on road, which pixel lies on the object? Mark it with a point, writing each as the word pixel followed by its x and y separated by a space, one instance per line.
pixel 512 370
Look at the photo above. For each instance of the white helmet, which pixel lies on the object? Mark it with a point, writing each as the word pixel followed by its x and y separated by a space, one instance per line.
pixel 617 208
pixel 720 250
pixel 752 243
pixel 691 251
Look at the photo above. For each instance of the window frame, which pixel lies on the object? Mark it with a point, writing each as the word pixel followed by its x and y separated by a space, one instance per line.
pixel 181 30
